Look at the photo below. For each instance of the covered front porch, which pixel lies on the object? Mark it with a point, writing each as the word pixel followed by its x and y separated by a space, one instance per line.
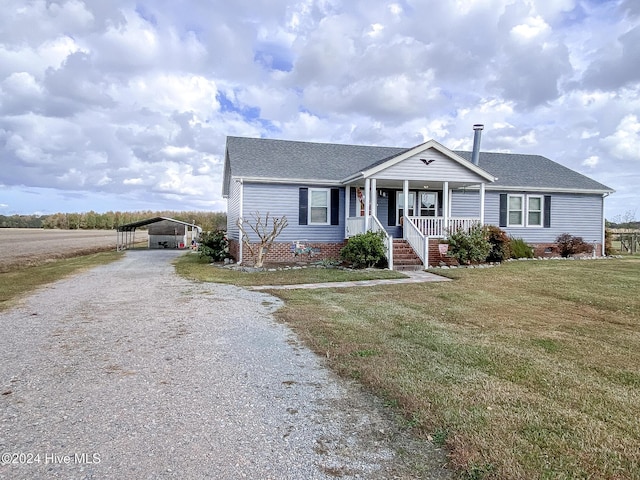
pixel 415 211
pixel 411 196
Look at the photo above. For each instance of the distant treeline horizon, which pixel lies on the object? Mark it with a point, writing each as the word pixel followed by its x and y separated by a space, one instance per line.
pixel 209 221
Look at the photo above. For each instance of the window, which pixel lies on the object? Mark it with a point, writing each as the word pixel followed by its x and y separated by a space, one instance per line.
pixel 400 206
pixel 428 204
pixel 514 213
pixel 319 206
pixel 534 211
pixel 525 210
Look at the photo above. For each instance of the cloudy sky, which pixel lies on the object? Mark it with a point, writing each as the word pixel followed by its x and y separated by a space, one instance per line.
pixel 125 105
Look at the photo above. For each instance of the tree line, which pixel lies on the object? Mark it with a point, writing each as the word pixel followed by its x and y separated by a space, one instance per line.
pixel 209 221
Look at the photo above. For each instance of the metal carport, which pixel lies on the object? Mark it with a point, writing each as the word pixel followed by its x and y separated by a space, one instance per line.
pixel 126 234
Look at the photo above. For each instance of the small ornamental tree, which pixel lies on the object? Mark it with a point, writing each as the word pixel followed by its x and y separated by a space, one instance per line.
pixel 469 247
pixel 267 230
pixel 365 250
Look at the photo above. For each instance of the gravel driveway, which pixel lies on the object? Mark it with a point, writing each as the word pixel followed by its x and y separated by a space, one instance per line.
pixel 129 371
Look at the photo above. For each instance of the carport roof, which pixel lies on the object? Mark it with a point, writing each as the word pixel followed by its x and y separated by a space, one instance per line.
pixel 133 225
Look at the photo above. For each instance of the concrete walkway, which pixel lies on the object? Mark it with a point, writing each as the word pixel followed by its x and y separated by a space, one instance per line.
pixel 418 276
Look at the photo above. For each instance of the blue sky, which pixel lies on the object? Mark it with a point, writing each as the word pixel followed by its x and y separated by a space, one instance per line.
pixel 126 105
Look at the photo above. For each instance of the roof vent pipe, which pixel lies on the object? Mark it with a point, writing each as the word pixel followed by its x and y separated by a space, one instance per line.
pixel 477 133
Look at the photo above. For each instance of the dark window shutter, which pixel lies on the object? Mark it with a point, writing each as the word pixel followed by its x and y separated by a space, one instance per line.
pixel 503 209
pixel 303 206
pixel 335 206
pixel 547 211
pixel 392 209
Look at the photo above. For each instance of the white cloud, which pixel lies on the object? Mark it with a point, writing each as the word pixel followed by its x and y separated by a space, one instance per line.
pixel 625 142
pixel 127 100
pixel 591 162
pixel 532 27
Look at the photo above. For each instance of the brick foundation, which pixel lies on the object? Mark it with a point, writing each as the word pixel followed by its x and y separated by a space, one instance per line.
pixel 283 252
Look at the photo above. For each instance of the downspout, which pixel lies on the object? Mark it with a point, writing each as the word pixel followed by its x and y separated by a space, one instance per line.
pixel 604 224
pixel 240 215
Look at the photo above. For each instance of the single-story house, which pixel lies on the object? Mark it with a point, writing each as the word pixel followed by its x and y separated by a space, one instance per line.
pixel 417 195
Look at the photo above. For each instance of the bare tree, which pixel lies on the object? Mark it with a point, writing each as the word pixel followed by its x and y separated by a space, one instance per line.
pixel 267 230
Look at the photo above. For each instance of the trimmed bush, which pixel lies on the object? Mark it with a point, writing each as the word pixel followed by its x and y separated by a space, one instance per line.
pixel 214 245
pixel 520 248
pixel 570 245
pixel 470 247
pixel 365 250
pixel 500 244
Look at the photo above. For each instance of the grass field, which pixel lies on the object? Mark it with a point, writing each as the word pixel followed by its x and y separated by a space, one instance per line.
pixel 528 370
pixel 19 281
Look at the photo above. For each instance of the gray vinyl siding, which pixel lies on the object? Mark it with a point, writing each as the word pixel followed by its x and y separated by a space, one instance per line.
pixel 233 209
pixel 576 214
pixel 465 203
pixel 441 168
pixel 282 200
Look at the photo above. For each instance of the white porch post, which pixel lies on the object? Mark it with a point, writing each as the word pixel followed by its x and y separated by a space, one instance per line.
pixel 347 208
pixel 482 203
pixel 367 203
pixel 445 207
pixel 405 194
pixel 374 198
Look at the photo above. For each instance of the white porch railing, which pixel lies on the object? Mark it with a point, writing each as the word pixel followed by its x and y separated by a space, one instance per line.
pixel 418 241
pixel 376 226
pixel 435 226
pixel 355 226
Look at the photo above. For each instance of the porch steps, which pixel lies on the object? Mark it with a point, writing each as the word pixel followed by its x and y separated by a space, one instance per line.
pixel 404 258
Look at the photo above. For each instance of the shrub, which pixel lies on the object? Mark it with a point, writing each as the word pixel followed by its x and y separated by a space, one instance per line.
pixel 570 245
pixel 500 244
pixel 470 247
pixel 214 245
pixel 520 248
pixel 608 239
pixel 365 250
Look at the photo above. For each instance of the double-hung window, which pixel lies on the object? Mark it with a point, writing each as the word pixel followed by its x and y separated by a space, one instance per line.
pixel 319 206
pixel 534 211
pixel 515 211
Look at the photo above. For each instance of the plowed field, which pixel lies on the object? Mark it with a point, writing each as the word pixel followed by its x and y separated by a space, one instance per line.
pixel 30 246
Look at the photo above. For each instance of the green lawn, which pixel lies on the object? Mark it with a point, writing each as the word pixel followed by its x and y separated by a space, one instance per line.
pixel 527 370
pixel 196 268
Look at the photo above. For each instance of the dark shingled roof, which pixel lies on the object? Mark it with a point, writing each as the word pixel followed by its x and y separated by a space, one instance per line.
pixel 533 171
pixel 260 157
pixel 284 159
